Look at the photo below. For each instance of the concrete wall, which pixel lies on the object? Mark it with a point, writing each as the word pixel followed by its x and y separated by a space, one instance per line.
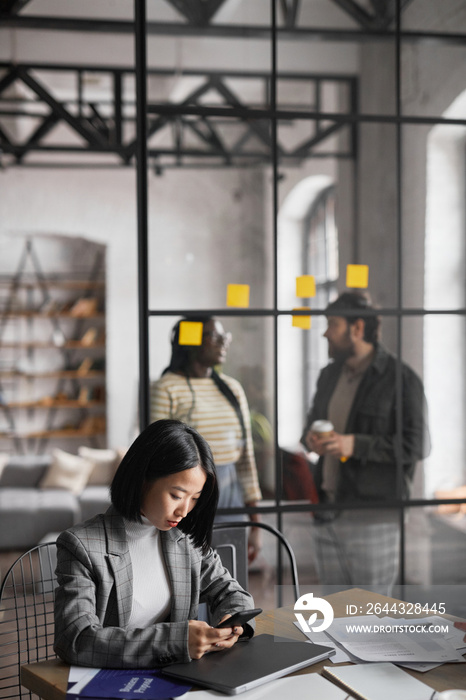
pixel 100 205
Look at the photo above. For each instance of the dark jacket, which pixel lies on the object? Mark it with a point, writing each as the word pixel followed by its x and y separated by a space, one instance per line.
pixel 371 473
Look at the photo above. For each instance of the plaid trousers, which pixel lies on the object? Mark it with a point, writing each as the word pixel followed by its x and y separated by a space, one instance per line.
pixel 357 549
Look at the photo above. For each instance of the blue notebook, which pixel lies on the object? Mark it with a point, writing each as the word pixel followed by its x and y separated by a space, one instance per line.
pixel 131 684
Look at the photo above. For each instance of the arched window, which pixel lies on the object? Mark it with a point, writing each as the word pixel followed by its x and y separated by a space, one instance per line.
pixel 320 258
pixel 307 244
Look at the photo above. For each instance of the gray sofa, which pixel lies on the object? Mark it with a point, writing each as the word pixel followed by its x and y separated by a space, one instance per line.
pixel 29 513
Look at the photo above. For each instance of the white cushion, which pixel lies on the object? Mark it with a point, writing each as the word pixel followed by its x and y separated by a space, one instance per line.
pixel 67 471
pixel 105 464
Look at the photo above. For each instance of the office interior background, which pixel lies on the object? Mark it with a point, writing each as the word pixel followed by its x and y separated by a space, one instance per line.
pixel 283 138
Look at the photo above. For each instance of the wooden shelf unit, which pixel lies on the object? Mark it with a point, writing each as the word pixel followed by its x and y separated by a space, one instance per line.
pixel 69 345
pixel 79 285
pixel 68 434
pixel 64 374
pixel 55 404
pixel 47 316
pixel 52 340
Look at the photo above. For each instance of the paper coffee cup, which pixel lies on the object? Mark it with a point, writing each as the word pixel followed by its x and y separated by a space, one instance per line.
pixel 323 428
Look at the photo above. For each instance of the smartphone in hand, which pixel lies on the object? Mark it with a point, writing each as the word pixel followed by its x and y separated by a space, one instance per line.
pixel 239 618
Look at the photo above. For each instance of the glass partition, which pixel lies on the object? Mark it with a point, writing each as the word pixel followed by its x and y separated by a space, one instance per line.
pixel 206 233
pixel 291 144
pixel 294 151
pixel 434 545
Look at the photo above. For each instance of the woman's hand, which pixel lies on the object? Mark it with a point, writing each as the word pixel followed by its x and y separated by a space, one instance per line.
pixel 255 534
pixel 254 543
pixel 203 638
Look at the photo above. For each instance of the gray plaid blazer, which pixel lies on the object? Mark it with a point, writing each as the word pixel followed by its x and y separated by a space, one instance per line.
pixel 95 593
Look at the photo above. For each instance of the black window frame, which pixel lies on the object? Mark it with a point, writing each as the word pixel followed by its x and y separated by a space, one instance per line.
pixel 398 311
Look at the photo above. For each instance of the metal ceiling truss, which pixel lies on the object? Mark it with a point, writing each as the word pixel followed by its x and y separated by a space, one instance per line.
pixel 374 24
pixel 12 7
pixel 200 12
pixel 383 13
pixel 290 9
pixel 197 12
pixel 211 124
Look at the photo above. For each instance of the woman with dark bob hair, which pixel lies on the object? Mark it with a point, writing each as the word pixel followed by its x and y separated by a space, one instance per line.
pixel 130 580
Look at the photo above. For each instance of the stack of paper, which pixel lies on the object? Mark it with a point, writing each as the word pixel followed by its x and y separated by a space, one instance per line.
pixel 354 640
pixel 454 636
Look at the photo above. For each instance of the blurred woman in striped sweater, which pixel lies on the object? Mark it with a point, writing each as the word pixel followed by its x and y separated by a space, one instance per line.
pixel 191 390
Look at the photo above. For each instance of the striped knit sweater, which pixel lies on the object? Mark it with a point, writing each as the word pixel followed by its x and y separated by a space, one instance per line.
pixel 208 411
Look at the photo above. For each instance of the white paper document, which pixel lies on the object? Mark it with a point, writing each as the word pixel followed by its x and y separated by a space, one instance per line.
pixel 380 681
pixel 77 672
pixel 307 685
pixel 357 637
pixel 420 666
pixel 454 635
pixel 340 655
pixel 80 676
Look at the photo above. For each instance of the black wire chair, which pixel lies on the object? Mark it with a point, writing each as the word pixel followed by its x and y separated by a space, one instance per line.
pixel 26 617
pixel 273 530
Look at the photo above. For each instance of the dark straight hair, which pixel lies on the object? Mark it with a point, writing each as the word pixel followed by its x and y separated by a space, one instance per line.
pixel 167 447
pixel 181 359
pixel 354 302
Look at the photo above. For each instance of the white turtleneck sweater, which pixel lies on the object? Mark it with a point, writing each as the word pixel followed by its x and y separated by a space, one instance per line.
pixel 151 585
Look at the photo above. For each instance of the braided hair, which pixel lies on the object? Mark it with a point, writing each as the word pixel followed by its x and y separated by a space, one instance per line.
pixel 184 355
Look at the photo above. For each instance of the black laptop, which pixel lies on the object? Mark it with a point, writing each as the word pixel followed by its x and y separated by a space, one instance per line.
pixel 249 664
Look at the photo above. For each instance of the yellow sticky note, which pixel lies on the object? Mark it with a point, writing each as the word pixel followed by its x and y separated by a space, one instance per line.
pixel 306 286
pixel 190 333
pixel 357 276
pixel 238 295
pixel 301 321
